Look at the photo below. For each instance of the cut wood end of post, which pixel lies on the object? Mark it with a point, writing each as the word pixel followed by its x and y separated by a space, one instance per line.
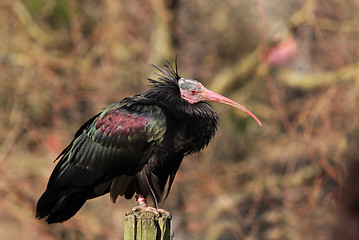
pixel 143 224
pixel 148 214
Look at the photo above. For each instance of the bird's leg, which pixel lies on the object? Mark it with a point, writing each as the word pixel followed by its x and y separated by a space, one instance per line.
pixel 142 205
pixel 140 199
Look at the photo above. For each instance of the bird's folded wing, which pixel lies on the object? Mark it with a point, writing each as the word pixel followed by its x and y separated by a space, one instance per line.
pixel 118 140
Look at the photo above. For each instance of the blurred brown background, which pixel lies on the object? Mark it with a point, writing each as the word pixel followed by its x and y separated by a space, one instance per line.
pixel 292 63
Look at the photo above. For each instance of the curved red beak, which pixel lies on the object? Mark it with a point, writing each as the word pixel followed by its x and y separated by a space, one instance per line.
pixel 215 97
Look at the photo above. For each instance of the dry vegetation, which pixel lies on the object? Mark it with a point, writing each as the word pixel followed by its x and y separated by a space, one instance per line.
pixel 292 63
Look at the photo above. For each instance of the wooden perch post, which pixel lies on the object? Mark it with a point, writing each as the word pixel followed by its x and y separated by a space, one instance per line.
pixel 145 225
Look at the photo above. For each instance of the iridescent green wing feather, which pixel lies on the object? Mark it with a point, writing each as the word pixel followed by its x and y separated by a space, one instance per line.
pixel 118 140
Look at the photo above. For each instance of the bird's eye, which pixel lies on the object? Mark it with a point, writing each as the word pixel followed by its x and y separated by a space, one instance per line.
pixel 193 92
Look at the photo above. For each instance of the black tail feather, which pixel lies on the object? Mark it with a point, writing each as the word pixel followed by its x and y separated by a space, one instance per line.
pixel 60 208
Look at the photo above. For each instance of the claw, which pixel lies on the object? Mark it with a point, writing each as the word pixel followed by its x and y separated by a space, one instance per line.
pixel 164 213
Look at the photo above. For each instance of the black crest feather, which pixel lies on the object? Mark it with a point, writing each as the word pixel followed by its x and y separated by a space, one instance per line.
pixel 168 76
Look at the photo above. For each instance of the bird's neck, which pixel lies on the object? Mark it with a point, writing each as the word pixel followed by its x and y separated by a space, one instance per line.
pixel 197 123
pixel 196 128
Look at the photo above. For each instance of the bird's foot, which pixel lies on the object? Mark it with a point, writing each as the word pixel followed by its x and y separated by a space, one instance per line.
pixel 142 205
pixel 156 211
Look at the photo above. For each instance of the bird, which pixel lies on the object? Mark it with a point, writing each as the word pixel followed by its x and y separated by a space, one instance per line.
pixel 134 146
